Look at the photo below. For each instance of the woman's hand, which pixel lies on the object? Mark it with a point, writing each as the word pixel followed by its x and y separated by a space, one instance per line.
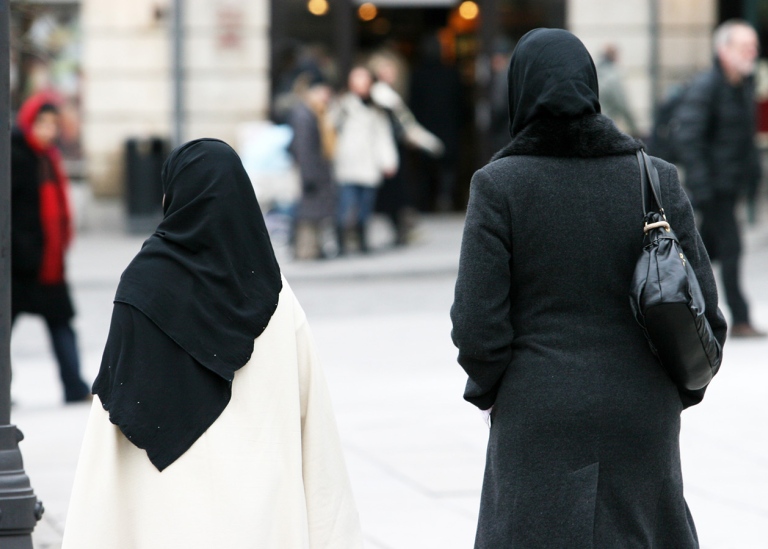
pixel 487 416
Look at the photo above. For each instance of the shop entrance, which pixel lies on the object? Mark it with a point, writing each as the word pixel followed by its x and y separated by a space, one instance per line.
pixel 446 52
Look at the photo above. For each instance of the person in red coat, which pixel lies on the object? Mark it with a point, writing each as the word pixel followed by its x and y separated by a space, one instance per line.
pixel 41 231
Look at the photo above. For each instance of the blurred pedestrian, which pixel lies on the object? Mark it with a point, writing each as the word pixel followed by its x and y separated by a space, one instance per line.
pixel 41 234
pixel 313 145
pixel 299 66
pixel 212 425
pixel 716 137
pixel 613 98
pixel 584 444
pixel 392 197
pixel 365 154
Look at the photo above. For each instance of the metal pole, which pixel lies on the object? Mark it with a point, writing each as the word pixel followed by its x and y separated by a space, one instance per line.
pixel 19 508
pixel 5 217
pixel 653 9
pixel 177 32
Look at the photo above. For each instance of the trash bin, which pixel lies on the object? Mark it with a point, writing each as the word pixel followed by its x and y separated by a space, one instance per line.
pixel 143 187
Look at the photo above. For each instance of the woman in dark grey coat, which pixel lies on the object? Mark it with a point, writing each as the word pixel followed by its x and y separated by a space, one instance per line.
pixel 584 443
pixel 312 149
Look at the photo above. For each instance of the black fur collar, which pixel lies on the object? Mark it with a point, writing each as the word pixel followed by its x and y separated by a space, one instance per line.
pixel 589 136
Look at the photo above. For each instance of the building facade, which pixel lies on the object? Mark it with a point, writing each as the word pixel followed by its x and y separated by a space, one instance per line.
pixel 660 42
pixel 236 54
pixel 128 85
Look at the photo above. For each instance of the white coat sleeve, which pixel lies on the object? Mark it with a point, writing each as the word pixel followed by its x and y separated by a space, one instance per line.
pixel 385 146
pixel 331 511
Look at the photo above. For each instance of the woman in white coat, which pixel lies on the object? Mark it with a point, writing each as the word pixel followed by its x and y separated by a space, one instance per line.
pixel 212 424
pixel 365 154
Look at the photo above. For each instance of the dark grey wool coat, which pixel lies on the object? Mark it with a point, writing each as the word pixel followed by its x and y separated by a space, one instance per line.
pixel 318 189
pixel 584 444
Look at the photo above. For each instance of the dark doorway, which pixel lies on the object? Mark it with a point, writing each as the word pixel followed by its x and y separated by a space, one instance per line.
pixel 468 42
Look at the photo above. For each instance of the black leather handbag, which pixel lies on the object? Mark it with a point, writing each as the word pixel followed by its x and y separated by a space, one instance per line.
pixel 666 297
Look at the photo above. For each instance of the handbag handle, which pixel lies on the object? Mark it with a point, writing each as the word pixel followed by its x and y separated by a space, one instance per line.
pixel 649 179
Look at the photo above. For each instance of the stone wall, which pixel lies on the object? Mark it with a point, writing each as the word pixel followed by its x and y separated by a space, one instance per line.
pixel 686 38
pixel 128 90
pixel 685 27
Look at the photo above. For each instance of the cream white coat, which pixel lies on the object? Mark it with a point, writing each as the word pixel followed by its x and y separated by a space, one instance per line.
pixel 268 474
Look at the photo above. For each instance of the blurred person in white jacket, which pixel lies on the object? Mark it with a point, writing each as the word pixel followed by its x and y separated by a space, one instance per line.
pixel 365 154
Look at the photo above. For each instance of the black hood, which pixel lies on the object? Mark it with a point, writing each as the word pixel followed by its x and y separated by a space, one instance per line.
pixel 551 75
pixel 208 276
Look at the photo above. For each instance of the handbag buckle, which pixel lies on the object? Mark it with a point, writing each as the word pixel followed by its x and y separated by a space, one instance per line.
pixel 656 225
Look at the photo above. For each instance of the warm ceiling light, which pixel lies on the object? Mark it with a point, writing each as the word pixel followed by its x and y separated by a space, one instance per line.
pixel 367 12
pixel 469 10
pixel 317 7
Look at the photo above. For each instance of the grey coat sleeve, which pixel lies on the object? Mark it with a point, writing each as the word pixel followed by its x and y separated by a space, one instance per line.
pixel 694 116
pixel 680 217
pixel 482 329
pixel 306 148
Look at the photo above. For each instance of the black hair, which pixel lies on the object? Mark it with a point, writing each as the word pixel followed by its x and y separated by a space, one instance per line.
pixel 48 107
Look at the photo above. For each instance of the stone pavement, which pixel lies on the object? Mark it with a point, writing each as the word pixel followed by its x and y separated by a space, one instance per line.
pixel 415 451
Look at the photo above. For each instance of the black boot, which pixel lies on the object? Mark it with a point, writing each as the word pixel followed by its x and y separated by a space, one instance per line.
pixel 340 230
pixel 361 238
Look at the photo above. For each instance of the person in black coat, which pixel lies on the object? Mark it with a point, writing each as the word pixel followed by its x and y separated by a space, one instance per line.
pixel 717 147
pixel 41 230
pixel 584 440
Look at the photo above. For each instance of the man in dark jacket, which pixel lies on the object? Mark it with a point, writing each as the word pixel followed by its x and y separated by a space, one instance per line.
pixel 717 128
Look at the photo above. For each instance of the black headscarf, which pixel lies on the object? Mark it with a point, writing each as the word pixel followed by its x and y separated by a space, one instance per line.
pixel 551 75
pixel 189 305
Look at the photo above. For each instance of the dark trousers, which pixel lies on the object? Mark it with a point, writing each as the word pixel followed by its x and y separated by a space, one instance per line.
pixel 359 199
pixel 720 233
pixel 64 346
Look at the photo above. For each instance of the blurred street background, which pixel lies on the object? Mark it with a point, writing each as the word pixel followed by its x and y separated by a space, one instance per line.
pixel 138 77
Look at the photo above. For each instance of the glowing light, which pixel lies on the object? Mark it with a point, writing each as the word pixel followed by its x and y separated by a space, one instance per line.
pixel 367 12
pixel 317 7
pixel 469 10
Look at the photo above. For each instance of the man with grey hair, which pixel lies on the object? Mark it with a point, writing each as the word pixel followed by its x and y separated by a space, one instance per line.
pixel 717 149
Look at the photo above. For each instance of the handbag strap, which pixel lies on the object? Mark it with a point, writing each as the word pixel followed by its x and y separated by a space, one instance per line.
pixel 649 181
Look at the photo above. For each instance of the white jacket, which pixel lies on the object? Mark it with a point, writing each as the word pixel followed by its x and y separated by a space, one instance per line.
pixel 365 144
pixel 268 473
